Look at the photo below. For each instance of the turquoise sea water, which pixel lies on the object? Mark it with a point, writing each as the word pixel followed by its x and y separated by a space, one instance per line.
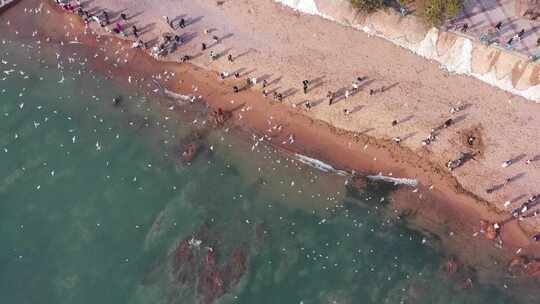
pixel 95 207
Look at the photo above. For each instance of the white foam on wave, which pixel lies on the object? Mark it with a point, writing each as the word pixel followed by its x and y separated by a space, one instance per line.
pixel 395 180
pixel 319 165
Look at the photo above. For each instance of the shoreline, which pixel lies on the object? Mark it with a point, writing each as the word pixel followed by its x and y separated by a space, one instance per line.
pixel 322 141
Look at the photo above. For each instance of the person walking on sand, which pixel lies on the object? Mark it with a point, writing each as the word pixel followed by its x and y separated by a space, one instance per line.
pixel 203 46
pixel 182 23
pixel 520 34
pixel 230 58
pixel 135 31
pixel 124 16
pixel 330 96
pixel 168 21
pixel 498 26
pixel 347 93
pixel 264 83
pixel 509 42
pixel 465 28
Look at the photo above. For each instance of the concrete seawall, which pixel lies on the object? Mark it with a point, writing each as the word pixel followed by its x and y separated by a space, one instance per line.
pixel 509 71
pixel 5 4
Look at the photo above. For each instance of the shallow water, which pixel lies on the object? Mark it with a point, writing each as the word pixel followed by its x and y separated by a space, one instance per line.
pixel 94 205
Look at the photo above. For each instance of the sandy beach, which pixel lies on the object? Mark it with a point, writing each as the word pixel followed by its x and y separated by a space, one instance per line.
pixel 275 43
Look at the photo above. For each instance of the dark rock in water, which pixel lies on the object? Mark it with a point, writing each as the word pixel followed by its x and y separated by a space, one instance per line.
pixel 451 266
pixel 190 152
pixel 525 266
pixel 211 285
pixel 235 269
pixel 183 263
pixel 117 100
pixel 199 261
pixel 219 117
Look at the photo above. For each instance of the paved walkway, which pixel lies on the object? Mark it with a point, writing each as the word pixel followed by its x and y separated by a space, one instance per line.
pixel 483 15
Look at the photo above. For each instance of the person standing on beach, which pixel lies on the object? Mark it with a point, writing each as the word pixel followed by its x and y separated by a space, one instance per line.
pixel 509 42
pixel 465 28
pixel 305 84
pixel 230 58
pixel 203 46
pixel 135 31
pixel 182 23
pixel 106 17
pixel 498 26
pixel 355 86
pixel 119 28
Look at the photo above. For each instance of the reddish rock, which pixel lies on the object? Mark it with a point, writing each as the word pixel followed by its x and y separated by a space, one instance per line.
pixel 190 152
pixel 451 266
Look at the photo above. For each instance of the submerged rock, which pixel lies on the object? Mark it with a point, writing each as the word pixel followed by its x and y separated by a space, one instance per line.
pixel 210 269
pixel 190 152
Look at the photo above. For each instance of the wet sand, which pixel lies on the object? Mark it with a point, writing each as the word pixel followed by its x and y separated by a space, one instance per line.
pixel 439 199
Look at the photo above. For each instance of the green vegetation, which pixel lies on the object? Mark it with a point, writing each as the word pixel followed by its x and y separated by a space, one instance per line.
pixel 436 12
pixel 433 12
pixel 367 6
